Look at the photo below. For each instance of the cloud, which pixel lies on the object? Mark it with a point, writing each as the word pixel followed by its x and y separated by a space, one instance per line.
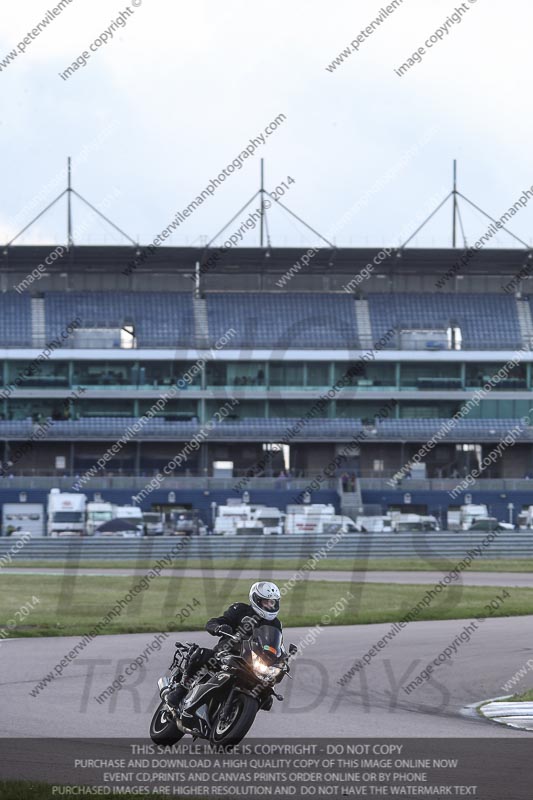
pixel 185 85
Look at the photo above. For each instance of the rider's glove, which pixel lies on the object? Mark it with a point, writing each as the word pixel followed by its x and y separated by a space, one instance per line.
pixel 223 629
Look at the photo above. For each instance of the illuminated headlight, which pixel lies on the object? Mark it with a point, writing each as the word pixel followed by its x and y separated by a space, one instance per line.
pixel 263 670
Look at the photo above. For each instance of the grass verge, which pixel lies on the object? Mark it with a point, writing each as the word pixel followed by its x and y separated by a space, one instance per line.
pixel 72 606
pixel 523 697
pixel 333 564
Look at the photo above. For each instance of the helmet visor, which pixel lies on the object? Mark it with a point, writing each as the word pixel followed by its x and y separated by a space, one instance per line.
pixel 270 604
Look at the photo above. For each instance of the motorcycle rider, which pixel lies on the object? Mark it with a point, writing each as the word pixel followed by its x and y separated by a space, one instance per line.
pixel 239 619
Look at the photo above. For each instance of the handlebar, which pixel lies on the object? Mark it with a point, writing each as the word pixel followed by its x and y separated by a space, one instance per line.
pixel 230 636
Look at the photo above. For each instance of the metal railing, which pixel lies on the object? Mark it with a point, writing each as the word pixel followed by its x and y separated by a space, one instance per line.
pixel 177 483
pixel 135 483
pixel 424 546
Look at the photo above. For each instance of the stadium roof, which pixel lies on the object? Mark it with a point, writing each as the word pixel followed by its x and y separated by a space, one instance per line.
pixel 116 259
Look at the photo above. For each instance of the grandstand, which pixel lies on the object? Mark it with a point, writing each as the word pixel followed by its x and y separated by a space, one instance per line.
pixel 397 339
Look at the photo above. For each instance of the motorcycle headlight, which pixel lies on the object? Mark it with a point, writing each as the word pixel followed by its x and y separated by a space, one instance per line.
pixel 262 669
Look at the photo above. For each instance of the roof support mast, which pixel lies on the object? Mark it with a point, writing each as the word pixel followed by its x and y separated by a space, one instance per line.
pixel 69 191
pixel 454 192
pixel 456 215
pixel 70 240
pixel 261 230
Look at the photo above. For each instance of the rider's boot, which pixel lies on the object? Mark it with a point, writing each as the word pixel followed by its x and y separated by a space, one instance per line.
pixel 175 697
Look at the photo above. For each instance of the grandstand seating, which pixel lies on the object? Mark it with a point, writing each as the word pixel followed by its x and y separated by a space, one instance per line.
pixel 271 319
pixel 424 429
pixel 486 320
pixel 283 320
pixel 160 319
pixel 255 428
pixel 15 320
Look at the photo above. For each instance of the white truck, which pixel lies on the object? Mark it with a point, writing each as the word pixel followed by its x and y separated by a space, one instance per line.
pixel 98 512
pixel 406 523
pixel 490 524
pixel 154 523
pixel 228 517
pixel 253 519
pixel 271 518
pixel 19 518
pixel 524 520
pixel 474 516
pixel 317 518
pixel 470 513
pixel 374 524
pixel 66 513
pixel 133 513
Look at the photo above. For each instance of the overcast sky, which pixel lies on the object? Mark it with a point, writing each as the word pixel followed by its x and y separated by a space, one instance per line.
pixel 180 90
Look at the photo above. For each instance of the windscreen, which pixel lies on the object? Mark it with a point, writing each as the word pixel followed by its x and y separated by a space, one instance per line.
pixel 266 642
pixel 68 516
pixel 269 522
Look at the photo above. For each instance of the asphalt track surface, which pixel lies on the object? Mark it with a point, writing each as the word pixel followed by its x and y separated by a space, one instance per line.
pixel 518 579
pixel 372 704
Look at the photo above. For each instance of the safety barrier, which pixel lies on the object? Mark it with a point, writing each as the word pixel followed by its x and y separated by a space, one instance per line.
pixel 441 545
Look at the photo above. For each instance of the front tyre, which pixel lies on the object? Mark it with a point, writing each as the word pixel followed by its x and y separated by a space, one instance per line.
pixel 163 729
pixel 237 723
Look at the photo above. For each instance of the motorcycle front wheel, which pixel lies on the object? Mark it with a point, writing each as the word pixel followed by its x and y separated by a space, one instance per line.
pixel 237 723
pixel 163 729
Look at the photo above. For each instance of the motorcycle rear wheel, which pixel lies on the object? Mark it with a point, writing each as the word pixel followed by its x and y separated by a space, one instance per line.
pixel 163 729
pixel 241 719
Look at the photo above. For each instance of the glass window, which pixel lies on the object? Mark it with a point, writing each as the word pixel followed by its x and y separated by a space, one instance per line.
pixel 366 375
pixel 479 374
pixel 52 374
pixel 244 409
pixel 235 374
pixel 430 376
pixel 286 374
pixel 156 374
pixel 318 375
pixel 173 411
pixel 425 411
pixel 105 408
pixel 350 409
pixel 36 410
pixel 295 409
pixel 103 373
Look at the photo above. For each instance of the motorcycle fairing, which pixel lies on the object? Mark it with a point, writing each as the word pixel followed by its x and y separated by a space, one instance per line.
pixel 203 692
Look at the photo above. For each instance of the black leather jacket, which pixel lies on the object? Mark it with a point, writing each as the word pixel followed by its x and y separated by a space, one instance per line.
pixel 233 617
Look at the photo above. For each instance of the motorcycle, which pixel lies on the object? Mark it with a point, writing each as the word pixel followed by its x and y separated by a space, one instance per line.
pixel 224 699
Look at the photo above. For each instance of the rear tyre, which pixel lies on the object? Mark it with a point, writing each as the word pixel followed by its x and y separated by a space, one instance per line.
pixel 239 721
pixel 163 729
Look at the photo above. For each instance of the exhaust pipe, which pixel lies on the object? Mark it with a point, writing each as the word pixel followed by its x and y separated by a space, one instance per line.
pixel 163 685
